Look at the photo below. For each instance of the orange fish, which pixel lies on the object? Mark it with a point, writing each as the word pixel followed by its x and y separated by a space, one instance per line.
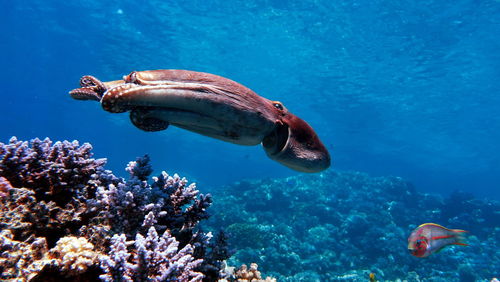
pixel 430 238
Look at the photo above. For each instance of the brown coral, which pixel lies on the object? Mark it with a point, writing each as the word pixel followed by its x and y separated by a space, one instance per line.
pixel 4 187
pixel 26 216
pixel 246 274
pixel 31 260
pixel 18 258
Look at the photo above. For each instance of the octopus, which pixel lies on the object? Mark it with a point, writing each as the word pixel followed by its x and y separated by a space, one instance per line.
pixel 213 106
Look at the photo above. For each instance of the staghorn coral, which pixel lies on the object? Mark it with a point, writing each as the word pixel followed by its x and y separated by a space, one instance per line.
pixel 47 202
pixel 26 216
pixel 116 265
pixel 60 212
pixel 214 253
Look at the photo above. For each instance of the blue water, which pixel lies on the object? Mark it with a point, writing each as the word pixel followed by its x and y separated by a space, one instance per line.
pixel 404 88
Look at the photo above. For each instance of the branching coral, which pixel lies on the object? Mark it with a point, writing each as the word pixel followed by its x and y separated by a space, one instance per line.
pixel 62 215
pixel 167 202
pixel 52 202
pixel 154 259
pixel 26 216
pixel 52 170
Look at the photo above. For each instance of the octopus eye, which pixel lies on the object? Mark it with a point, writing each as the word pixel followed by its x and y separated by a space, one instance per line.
pixel 278 105
pixel 131 78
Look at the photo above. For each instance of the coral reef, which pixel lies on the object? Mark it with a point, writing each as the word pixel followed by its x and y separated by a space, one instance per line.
pixel 53 171
pixel 167 202
pixel 50 198
pixel 250 274
pixel 342 226
pixel 71 256
pixel 244 274
pixel 64 217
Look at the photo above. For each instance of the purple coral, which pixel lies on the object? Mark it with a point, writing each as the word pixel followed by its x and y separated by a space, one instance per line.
pixel 140 168
pixel 52 170
pixel 184 208
pixel 115 265
pixel 65 192
pixel 55 178
pixel 169 202
pixel 154 258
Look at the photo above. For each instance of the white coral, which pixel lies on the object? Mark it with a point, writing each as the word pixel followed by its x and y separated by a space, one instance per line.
pixel 74 254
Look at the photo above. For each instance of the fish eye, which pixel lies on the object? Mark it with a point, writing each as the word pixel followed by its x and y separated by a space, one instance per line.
pixel 278 105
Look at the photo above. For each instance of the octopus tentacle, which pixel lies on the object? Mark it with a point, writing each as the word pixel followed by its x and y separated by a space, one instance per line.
pixel 92 89
pixel 139 118
pixel 90 81
pixel 85 93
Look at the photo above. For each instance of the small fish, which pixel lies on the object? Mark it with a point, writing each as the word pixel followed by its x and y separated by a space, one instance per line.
pixel 430 238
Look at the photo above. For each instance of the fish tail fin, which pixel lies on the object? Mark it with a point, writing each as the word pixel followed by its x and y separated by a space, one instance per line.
pixel 460 237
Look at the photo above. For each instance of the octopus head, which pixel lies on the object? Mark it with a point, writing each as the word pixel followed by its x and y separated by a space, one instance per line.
pixel 294 144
